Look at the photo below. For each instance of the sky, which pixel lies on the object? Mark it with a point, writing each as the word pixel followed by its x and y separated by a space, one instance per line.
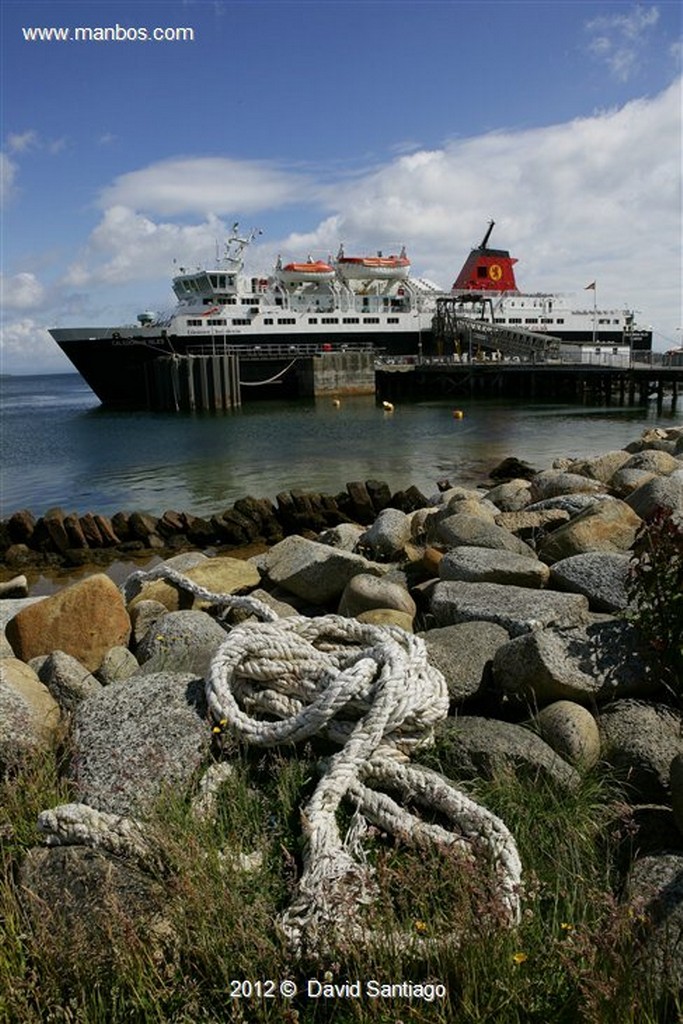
pixel 376 123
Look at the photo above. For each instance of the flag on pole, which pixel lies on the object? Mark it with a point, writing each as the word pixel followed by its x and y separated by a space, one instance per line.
pixel 590 287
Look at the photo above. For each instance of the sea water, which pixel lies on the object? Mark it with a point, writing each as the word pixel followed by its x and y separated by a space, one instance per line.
pixel 59 447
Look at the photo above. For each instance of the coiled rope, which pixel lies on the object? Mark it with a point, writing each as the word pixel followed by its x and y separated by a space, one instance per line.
pixel 371 690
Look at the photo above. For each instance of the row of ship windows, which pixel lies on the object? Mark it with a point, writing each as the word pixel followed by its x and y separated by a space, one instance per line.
pixel 544 320
pixel 292 320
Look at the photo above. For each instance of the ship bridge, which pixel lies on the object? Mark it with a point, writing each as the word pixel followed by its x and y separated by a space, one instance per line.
pixel 455 333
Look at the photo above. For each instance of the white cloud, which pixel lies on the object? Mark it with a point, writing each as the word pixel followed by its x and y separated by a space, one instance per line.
pixel 205 185
pixel 19 143
pixel 26 347
pixel 620 40
pixel 128 246
pixel 8 175
pixel 22 291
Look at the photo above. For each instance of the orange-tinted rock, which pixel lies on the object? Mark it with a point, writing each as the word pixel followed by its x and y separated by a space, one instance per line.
pixel 83 620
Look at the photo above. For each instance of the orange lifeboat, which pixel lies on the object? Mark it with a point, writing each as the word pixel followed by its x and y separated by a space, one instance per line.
pixel 311 270
pixel 392 268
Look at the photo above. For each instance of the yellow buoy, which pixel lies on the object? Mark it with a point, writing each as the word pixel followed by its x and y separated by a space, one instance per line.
pixel 388 406
pixel 458 414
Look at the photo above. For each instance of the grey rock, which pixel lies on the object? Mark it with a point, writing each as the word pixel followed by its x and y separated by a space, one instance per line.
pixel 181 642
pixel 655 891
pixel 473 531
pixel 572 732
pixel 665 492
pixel 608 526
pixel 365 592
pixel 117 665
pixel 30 718
pixel 387 537
pixel 511 496
pixel 314 572
pixel 68 681
pixel 625 481
pixel 601 576
pixel 487 565
pixel 516 609
pixel 92 903
pixel 599 661
pixel 463 654
pixel 131 742
pixel 143 615
pixel 345 536
pixel 601 467
pixel 570 503
pixel 551 483
pixel 470 746
pixel 640 741
pixel 653 461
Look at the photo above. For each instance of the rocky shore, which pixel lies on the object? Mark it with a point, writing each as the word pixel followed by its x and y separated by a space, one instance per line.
pixel 520 592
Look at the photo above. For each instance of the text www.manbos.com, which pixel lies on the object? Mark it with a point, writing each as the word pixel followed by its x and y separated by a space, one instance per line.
pixel 108 34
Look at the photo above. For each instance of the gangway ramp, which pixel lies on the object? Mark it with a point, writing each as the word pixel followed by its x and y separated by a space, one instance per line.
pixel 458 334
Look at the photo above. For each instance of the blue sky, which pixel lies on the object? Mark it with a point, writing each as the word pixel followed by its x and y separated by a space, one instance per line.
pixel 376 123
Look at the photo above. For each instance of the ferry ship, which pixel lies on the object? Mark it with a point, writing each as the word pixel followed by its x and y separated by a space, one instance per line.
pixel 347 303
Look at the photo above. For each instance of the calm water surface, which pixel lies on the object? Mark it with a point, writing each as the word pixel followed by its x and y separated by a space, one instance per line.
pixel 59 447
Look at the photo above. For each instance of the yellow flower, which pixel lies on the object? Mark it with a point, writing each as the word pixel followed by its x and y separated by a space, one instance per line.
pixel 567 927
pixel 519 958
pixel 420 926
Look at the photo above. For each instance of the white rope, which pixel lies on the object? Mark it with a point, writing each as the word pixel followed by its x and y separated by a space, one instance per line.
pixel 372 690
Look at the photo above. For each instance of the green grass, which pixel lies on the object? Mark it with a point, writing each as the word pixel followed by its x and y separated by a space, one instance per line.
pixel 570 960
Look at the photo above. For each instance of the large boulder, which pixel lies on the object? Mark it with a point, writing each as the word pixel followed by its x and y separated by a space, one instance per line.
pixel 365 592
pixel 470 746
pixel 67 679
pixel 132 742
pixel 660 492
pixel 180 642
pixel 601 576
pixel 90 903
pixel 488 565
pixel 314 572
pixel 601 467
pixel 473 531
pixel 463 654
pixel 83 620
pixel 654 890
pixel 608 526
pixel 640 741
pixel 552 483
pixel 516 609
pixel 220 576
pixel 30 717
pixel 585 663
pixel 387 537
pixel 572 732
pixel 510 496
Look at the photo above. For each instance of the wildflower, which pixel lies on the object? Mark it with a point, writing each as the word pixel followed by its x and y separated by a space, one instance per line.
pixel 519 958
pixel 420 926
pixel 218 729
pixel 566 927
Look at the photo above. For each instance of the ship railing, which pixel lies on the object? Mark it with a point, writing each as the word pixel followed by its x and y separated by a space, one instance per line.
pixel 219 347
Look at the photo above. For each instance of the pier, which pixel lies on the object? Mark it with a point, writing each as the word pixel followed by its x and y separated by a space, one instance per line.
pixel 567 382
pixel 220 380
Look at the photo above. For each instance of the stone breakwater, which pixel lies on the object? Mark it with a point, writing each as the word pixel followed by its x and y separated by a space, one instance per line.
pixel 518 591
pixel 60 539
